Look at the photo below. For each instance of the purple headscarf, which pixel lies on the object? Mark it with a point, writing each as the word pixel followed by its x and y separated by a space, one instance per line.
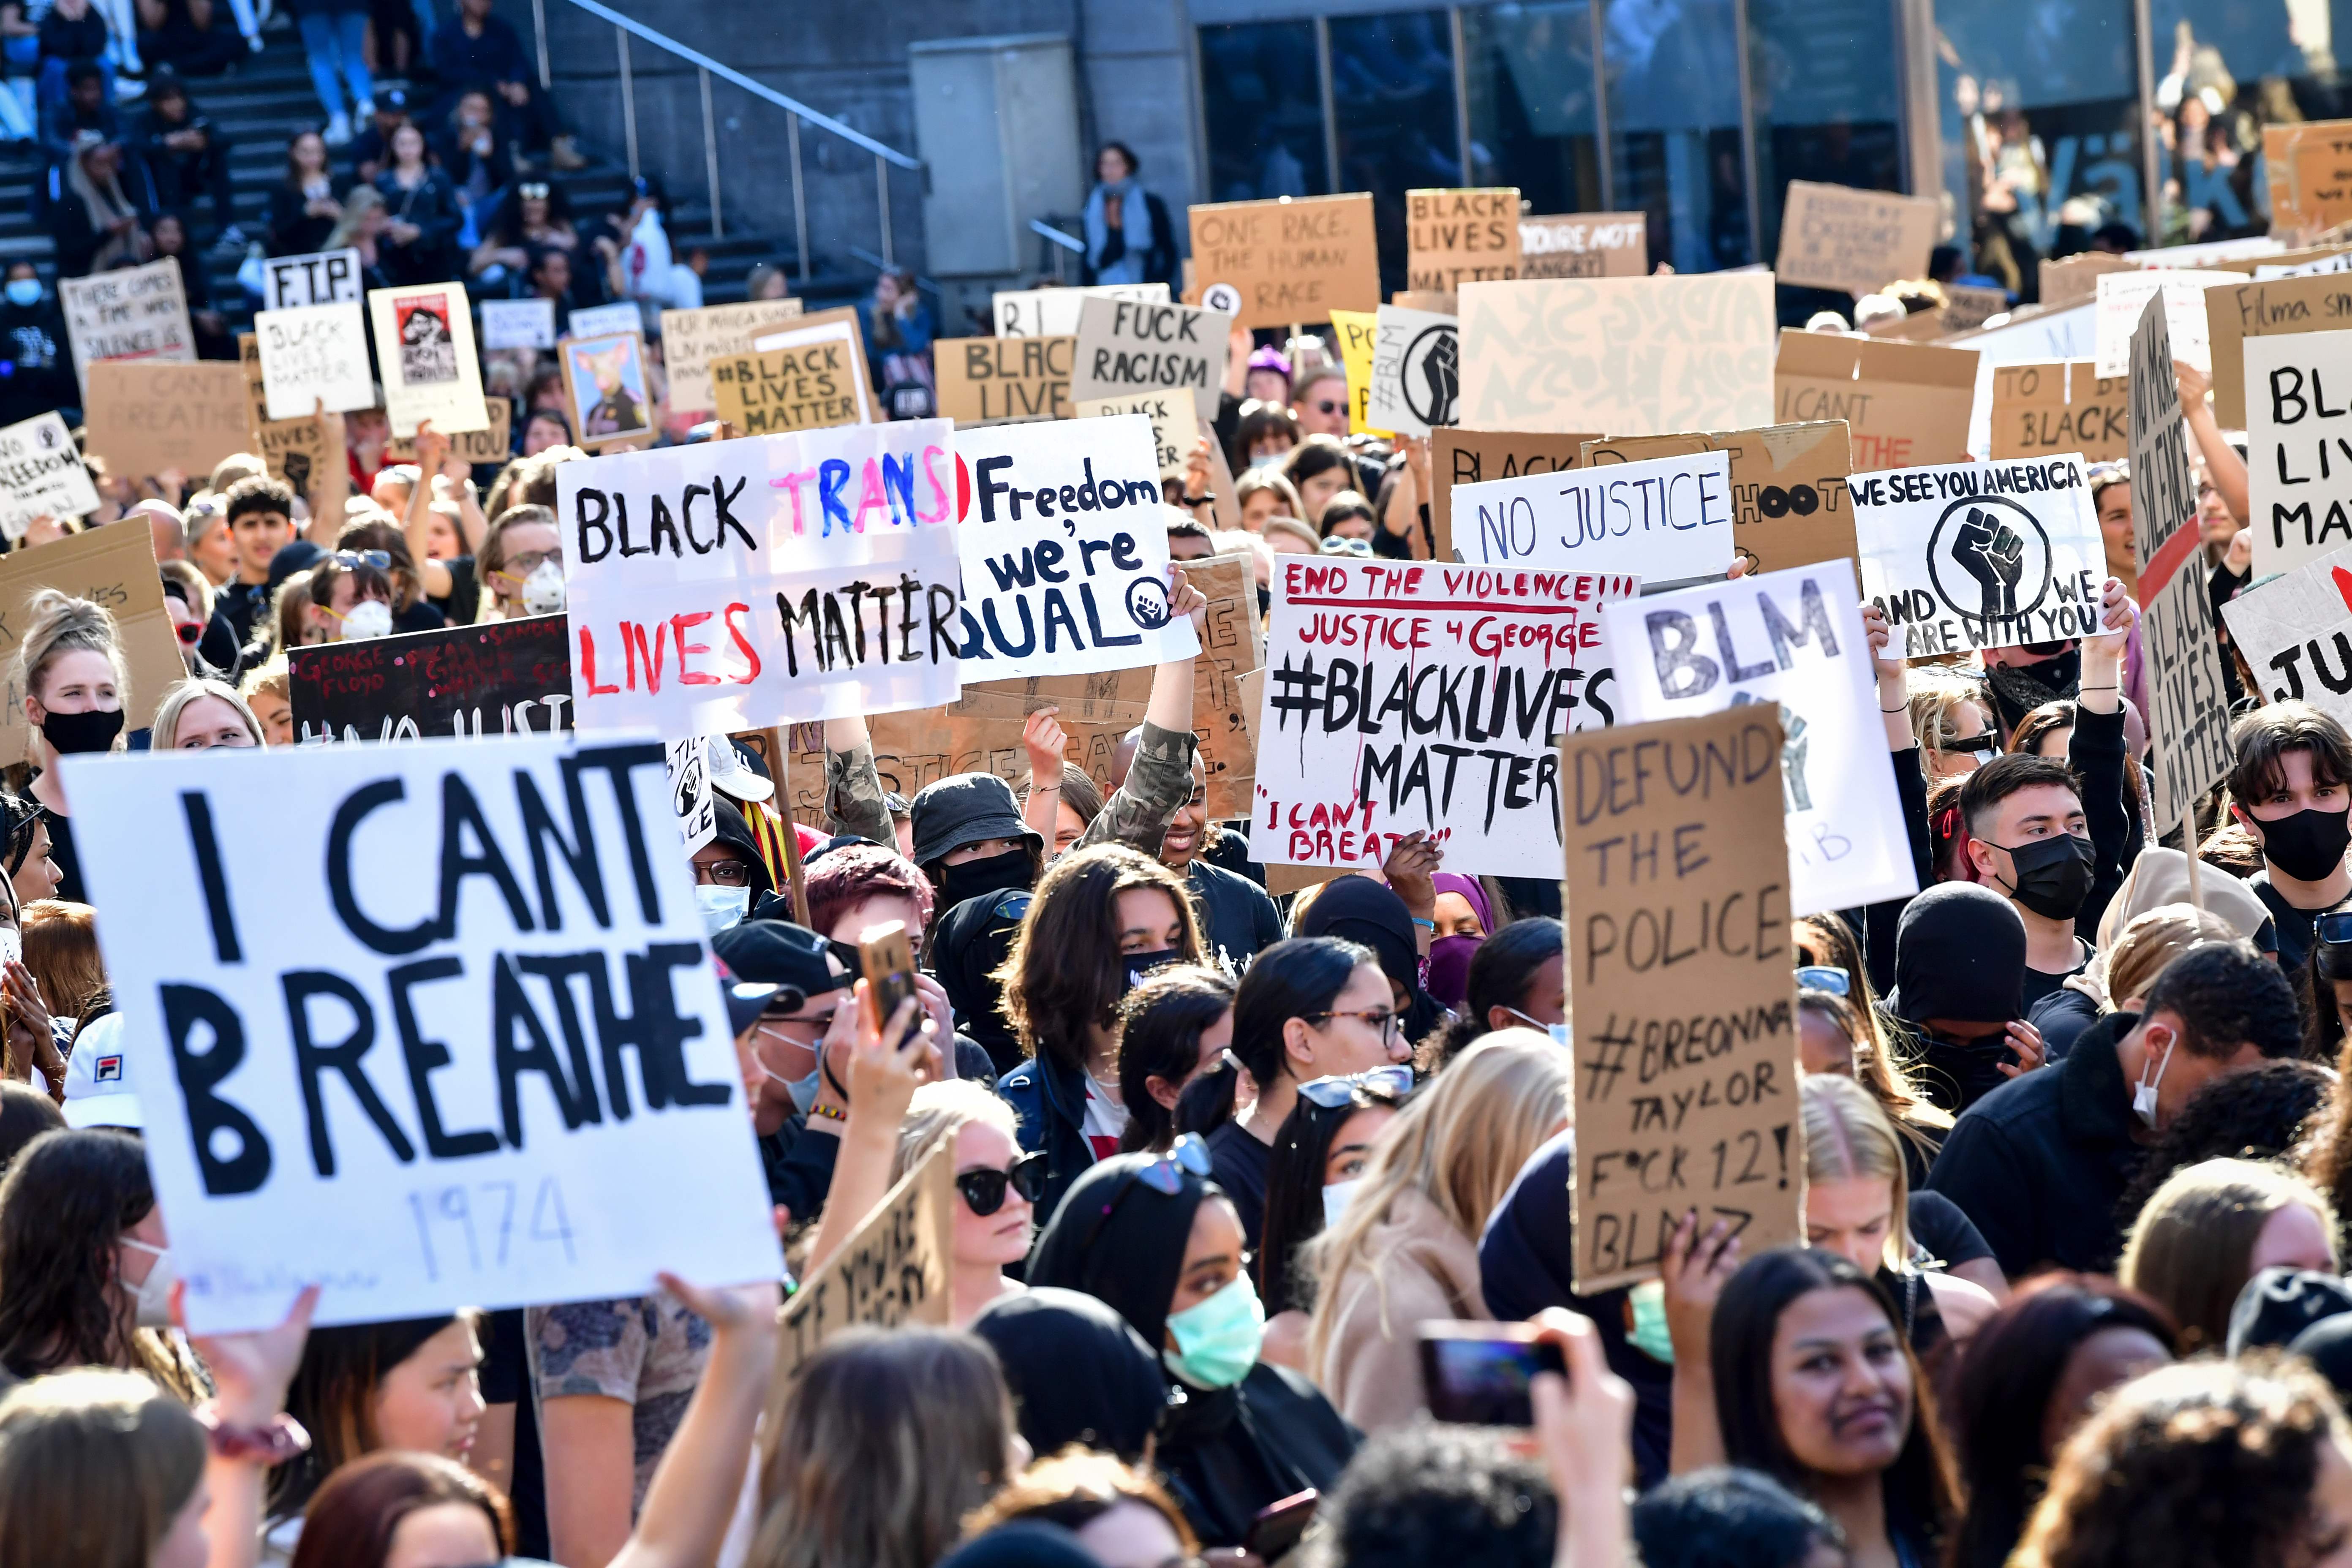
pixel 1449 956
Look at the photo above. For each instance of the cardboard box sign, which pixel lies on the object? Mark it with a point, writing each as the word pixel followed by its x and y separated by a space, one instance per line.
pixel 803 388
pixel 1128 345
pixel 2076 278
pixel 1004 381
pixel 131 313
pixel 1967 309
pixel 1272 263
pixel 2309 167
pixel 1054 312
pixel 1456 237
pixel 2234 312
pixel 110 566
pixel 1173 421
pixel 292 447
pixel 1904 404
pixel 897 1268
pixel 2047 406
pixel 1458 457
pixel 1790 506
pixel 493 444
pixel 1835 236
pixel 691 339
pixel 1584 244
pixel 144 417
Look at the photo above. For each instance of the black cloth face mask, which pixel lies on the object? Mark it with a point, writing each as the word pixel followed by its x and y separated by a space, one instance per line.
pixel 2054 875
pixel 991 874
pixel 2306 844
pixel 74 734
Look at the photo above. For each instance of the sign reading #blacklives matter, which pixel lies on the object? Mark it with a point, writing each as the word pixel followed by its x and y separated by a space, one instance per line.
pixel 1399 698
pixel 1679 980
pixel 41 475
pixel 1664 520
pixel 495 678
pixel 1796 638
pixel 736 585
pixel 1974 556
pixel 433 1068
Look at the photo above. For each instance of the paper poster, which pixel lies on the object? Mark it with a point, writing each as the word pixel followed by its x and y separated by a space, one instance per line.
pixel 41 475
pixel 1291 259
pixel 518 324
pixel 1666 520
pixel 425 349
pixel 605 391
pixel 391 1082
pixel 115 567
pixel 692 339
pixel 894 1271
pixel 292 447
pixel 1358 331
pixel 1403 697
pixel 688 763
pixel 2298 473
pixel 1064 542
pixel 602 321
pixel 835 327
pixel 1977 556
pixel 1788 487
pixel 1172 421
pixel 738 585
pixel 2121 296
pixel 802 388
pixel 1903 403
pixel 1835 236
pixel 131 313
pixel 1054 312
pixel 1004 380
pixel 313 353
pixel 1686 1043
pixel 1585 245
pixel 1457 236
pixel 152 416
pixel 1794 639
pixel 2044 406
pixel 493 678
pixel 2296 634
pixel 321 277
pixel 1628 356
pixel 1416 379
pixel 2333 261
pixel 1127 346
pixel 1459 457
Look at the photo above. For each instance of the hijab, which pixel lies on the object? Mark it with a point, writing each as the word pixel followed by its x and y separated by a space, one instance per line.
pixel 1450 956
pixel 1358 908
pixel 1122 1241
pixel 1078 1374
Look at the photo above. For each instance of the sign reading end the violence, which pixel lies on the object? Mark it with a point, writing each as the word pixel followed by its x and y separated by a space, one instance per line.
pixel 1680 981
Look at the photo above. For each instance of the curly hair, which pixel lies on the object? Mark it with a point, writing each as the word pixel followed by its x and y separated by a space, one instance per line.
pixel 2256 1114
pixel 1430 1492
pixel 2209 1461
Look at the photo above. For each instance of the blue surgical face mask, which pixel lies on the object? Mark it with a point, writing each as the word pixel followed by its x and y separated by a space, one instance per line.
pixel 722 907
pixel 803 1091
pixel 1335 1195
pixel 1559 1032
pixel 25 291
pixel 1648 1333
pixel 1218 1340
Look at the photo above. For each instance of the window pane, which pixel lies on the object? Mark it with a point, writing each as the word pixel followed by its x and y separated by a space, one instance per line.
pixel 1529 73
pixel 1264 110
pixel 2225 68
pixel 1673 73
pixel 1393 96
pixel 1825 98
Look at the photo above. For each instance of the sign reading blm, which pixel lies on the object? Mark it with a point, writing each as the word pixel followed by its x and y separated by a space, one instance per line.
pixel 438 1074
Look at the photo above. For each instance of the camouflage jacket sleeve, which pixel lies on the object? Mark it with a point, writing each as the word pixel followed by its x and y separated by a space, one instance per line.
pixel 1159 782
pixel 853 797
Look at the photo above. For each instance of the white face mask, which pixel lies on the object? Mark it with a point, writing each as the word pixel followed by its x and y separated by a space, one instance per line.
pixel 722 907
pixel 151 1299
pixel 2144 1095
pixel 542 590
pixel 1336 1198
pixel 370 618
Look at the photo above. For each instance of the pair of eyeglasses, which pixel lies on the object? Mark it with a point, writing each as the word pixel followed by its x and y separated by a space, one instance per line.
pixel 1331 1093
pixel 1338 545
pixel 1387 1020
pixel 984 1190
pixel 534 192
pixel 723 874
pixel 530 560
pixel 1325 405
pixel 2335 930
pixel 1826 977
pixel 379 560
pixel 1164 1175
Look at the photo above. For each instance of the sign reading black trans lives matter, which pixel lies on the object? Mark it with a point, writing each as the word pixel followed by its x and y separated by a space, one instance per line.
pixel 1973 555
pixel 436 1029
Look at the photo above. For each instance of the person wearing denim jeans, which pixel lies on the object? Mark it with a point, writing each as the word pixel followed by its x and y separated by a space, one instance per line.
pixel 334 33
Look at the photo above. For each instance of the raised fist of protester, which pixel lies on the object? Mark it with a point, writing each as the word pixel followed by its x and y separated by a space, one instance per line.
pixel 1197 469
pixel 1184 599
pixel 1693 1271
pixel 1888 663
pixel 1047 745
pixel 2238 555
pixel 1411 870
pixel 2194 384
pixel 432 449
pixel 251 1371
pixel 1992 552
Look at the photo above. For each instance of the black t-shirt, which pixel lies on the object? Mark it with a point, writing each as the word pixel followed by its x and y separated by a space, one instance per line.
pixel 1238 1162
pixel 506 1379
pixel 243 603
pixel 2297 928
pixel 463 602
pixel 1949 1236
pixel 1238 918
pixel 2039 984
pixel 61 850
pixel 420 616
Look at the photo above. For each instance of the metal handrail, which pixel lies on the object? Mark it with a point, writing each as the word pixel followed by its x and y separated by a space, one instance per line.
pixel 1045 230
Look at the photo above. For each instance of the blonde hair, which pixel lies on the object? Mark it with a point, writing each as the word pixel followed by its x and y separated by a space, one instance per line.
pixel 2154 938
pixel 94 1466
pixel 941 1111
pixel 59 624
pixel 1459 1142
pixel 2191 1244
pixel 1848 1137
pixel 274 678
pixel 198 587
pixel 1935 697
pixel 184 692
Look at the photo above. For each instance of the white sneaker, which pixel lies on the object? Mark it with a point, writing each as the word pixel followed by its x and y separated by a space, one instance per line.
pixel 364 109
pixel 339 131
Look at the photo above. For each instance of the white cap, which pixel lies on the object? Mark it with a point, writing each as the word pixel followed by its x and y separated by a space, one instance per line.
pixel 99 1087
pixel 730 778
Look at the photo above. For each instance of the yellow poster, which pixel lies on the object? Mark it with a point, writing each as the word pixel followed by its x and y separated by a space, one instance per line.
pixel 1355 334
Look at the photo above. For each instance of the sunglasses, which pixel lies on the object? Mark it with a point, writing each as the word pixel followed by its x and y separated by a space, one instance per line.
pixel 984 1190
pixel 1826 977
pixel 1977 745
pixel 1325 405
pixel 2335 930
pixel 531 193
pixel 1331 1093
pixel 191 633
pixel 378 559
pixel 1164 1175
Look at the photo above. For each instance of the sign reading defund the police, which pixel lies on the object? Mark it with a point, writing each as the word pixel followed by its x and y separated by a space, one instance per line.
pixel 1064 542
pixel 1796 638
pixel 1403 698
pixel 736 585
pixel 1963 555
pixel 438 1028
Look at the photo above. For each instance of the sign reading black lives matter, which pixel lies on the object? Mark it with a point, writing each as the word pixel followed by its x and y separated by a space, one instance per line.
pixel 1416 371
pixel 1974 556
pixel 440 1074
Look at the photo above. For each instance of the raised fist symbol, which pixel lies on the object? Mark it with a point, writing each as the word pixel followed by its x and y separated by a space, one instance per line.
pixel 1440 368
pixel 1992 552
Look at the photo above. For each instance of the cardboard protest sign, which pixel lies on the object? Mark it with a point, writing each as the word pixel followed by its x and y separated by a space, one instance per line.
pixel 2308 167
pixel 41 475
pixel 495 678
pixel 113 567
pixel 1664 521
pixel 2189 717
pixel 2300 480
pixel 1628 356
pixel 1064 524
pixel 292 447
pixel 836 327
pixel 457 897
pixel 1585 245
pixel 1796 638
pixel 2295 633
pixel 1054 312
pixel 2075 278
pixel 1788 487
pixel 2121 297
pixel 1357 331
pixel 1172 421
pixel 602 321
pixel 1403 697
pixel 2233 314
pixel 1459 457
pixel 805 388
pixel 738 584
pixel 494 443
pixel 1967 307
pixel 320 278
pixel 311 355
pixel 2335 259
pixel 606 390
pixel 1271 263
pixel 692 339
pixel 1980 556
pixel 1233 648
pixel 1127 346
pixel 1457 236
pixel 425 347
pixel 518 324
pixel 1682 986
pixel 1000 381
pixel 2044 406
pixel 688 763
pixel 146 418
pixel 1835 236
pixel 897 1268
pixel 1903 403
pixel 134 313
pixel 1416 371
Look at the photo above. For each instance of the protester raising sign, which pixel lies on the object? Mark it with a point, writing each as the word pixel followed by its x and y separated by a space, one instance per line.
pixel 692 339
pixel 1416 371
pixel 425 347
pixel 2040 407
pixel 1975 555
pixel 321 277
pixel 1835 236
pixel 688 763
pixel 1681 984
pixel 1664 521
pixel 1357 331
pixel 504 677
pixel 1064 542
pixel 2123 294
pixel 292 447
pixel 135 312
pixel 518 324
pixel 1584 244
pixel 1125 346
pixel 411 1081
pixel 1796 638
pixel 1171 425
pixel 898 1268
pixel 1401 699
pixel 1459 457
pixel 2296 634
pixel 311 354
pixel 41 475
pixel 736 585
pixel 152 417
pixel 2301 479
pixel 1270 263
pixel 802 388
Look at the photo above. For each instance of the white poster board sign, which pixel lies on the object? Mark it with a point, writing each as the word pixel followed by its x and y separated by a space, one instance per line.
pixel 518 324
pixel 437 1075
pixel 425 348
pixel 1416 370
pixel 314 352
pixel 1793 637
pixel 41 474
pixel 320 278
pixel 1976 555
pixel 2122 297
pixel 599 319
pixel 2297 467
pixel 2296 634
pixel 1664 520
pixel 135 312
pixel 690 796
pixel 1054 312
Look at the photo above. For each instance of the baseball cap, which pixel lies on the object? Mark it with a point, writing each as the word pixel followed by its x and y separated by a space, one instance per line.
pixel 966 809
pixel 780 953
pixel 746 1000
pixel 101 1088
pixel 730 775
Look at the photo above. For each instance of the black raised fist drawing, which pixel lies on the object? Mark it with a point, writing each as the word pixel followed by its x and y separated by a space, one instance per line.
pixel 1439 367
pixel 1992 552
